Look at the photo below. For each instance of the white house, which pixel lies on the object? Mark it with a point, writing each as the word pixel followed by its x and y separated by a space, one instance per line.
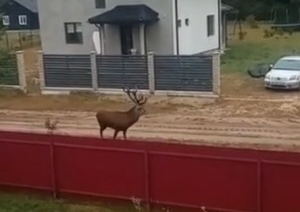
pixel 165 27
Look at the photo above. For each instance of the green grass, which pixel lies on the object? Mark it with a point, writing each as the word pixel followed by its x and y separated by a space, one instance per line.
pixel 19 203
pixel 24 203
pixel 256 49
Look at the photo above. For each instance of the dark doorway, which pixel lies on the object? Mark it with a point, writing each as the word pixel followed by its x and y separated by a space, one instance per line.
pixel 126 39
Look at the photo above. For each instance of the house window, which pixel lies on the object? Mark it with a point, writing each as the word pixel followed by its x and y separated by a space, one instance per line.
pixel 179 23
pixel 73 33
pixel 100 3
pixel 210 25
pixel 5 20
pixel 22 20
pixel 187 21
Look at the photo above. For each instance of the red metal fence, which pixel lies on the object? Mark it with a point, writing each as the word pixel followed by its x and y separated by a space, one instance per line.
pixel 222 179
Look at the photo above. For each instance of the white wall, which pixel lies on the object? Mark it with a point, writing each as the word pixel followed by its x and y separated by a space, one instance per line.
pixel 193 38
pixel 53 14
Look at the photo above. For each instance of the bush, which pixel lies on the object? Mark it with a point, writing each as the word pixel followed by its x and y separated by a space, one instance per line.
pixel 268 33
pixel 250 19
pixel 7 62
pixel 242 35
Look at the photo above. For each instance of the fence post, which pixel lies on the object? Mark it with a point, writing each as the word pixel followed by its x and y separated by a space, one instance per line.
pixel 21 71
pixel 216 73
pixel 94 71
pixel 53 170
pixel 151 72
pixel 41 69
pixel 147 181
pixel 259 185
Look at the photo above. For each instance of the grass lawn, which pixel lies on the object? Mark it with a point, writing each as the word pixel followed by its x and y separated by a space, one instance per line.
pixel 246 53
pixel 257 49
pixel 23 203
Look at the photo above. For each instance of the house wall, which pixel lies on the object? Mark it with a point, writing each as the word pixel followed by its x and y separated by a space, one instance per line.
pixel 54 13
pixel 13 10
pixel 193 38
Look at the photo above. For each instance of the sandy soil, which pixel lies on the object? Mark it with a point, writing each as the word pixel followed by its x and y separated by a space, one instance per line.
pixel 260 125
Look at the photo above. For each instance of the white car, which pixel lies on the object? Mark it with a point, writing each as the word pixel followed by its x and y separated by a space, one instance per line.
pixel 284 74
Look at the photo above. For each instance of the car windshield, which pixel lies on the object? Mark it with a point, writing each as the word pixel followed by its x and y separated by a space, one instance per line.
pixel 287 65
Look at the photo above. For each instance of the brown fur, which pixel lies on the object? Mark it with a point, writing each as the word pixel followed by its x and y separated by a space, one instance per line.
pixel 122 120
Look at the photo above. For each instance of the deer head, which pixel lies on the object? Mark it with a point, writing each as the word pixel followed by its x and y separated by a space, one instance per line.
pixel 138 99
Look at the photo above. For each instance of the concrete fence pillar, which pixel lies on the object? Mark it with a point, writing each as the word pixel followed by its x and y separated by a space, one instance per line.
pixel 94 71
pixel 151 72
pixel 21 71
pixel 41 69
pixel 216 73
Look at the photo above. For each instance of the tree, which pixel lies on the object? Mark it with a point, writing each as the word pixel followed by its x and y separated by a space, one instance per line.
pixel 258 8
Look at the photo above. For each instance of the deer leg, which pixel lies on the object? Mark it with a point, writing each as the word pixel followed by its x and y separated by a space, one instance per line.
pixel 102 128
pixel 116 133
pixel 124 134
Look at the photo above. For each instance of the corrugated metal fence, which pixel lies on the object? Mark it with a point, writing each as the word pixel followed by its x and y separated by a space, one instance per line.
pixel 71 71
pixel 160 174
pixel 161 73
pixel 115 71
pixel 9 70
pixel 184 73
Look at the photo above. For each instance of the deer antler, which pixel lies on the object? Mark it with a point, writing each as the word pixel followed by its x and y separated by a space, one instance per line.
pixel 138 99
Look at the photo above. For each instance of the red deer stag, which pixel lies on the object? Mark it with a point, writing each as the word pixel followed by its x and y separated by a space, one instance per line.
pixel 122 120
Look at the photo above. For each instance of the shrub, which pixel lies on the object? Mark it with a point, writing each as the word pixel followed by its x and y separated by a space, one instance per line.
pixel 268 33
pixel 242 35
pixel 6 61
pixel 250 19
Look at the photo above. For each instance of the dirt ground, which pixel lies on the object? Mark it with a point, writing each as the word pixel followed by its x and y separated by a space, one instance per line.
pixel 245 116
pixel 234 85
pixel 259 125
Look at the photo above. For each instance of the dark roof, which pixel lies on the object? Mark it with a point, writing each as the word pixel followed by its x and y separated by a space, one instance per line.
pixel 29 4
pixel 138 13
pixel 2 2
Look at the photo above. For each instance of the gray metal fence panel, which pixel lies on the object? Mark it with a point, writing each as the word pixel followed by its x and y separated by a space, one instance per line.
pixel 116 71
pixel 9 70
pixel 184 73
pixel 70 71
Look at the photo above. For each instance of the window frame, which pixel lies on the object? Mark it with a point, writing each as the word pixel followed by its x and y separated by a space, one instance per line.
pixel 210 22
pixel 100 4
pixel 22 18
pixel 77 35
pixel 5 17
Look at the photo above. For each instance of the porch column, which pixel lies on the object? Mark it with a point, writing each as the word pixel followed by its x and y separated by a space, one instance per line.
pixel 142 39
pixel 224 30
pixel 102 38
